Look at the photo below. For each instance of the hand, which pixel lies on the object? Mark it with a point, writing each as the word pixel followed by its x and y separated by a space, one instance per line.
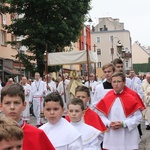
pixel 115 125
pixel 112 125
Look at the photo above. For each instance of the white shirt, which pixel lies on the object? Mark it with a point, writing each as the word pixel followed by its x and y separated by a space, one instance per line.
pixel 93 85
pixel 52 87
pixel 100 92
pixel 27 89
pixel 63 135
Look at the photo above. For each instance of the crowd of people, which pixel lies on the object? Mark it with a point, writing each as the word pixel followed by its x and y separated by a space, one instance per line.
pixel 81 114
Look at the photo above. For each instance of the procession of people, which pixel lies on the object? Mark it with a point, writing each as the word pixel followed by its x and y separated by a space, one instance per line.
pixel 73 113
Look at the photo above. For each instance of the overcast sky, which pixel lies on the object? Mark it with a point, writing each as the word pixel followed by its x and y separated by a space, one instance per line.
pixel 135 14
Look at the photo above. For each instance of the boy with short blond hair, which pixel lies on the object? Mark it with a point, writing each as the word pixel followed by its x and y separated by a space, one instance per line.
pixel 12 104
pixel 11 135
pixel 91 137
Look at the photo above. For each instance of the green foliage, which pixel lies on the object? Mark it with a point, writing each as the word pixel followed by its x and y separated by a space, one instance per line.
pixel 145 67
pixel 46 22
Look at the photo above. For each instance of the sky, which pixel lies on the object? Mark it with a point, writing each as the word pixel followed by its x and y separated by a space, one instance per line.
pixel 135 14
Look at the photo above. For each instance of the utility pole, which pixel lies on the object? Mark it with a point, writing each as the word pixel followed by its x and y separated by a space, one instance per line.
pixel 94 63
pixel 112 48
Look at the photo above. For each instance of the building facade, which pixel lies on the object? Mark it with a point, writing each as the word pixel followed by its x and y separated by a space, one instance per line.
pixel 10 66
pixel 140 54
pixel 111 40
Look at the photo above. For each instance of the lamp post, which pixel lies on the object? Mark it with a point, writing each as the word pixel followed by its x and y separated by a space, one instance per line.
pixel 94 63
pixel 118 45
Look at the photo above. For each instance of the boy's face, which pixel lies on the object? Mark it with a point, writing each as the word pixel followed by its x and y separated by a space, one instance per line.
pixel 75 112
pixel 117 84
pixel 118 67
pixel 11 145
pixel 83 96
pixel 12 107
pixel 53 111
pixel 108 73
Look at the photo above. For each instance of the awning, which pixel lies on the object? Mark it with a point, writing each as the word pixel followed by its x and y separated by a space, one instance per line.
pixel 11 71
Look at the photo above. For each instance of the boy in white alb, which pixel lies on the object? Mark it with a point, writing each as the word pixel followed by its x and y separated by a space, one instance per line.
pixel 91 137
pixel 60 132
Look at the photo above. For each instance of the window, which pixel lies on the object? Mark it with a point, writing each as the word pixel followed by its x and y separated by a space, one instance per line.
pixel 13 39
pixel 103 28
pixel 4 19
pixel 98 40
pixel 98 51
pixel 3 37
pixel 99 65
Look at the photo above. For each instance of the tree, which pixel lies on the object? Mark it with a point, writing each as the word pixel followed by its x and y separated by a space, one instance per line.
pixel 46 23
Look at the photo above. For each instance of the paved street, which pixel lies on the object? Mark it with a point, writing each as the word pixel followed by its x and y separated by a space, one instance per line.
pixel 145 140
pixel 143 145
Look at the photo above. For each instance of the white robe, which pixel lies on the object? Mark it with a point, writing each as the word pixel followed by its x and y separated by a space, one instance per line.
pixel 124 138
pixel 63 135
pixel 136 80
pixel 52 87
pixel 100 92
pixel 93 85
pixel 38 89
pixel 60 90
pixel 128 82
pixel 26 113
pixel 91 137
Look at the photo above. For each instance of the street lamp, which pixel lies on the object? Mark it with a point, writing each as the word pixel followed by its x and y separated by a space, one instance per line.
pixel 118 46
pixel 94 63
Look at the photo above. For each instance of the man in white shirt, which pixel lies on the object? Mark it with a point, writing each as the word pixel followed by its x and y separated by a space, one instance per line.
pixel 91 84
pixel 134 78
pixel 38 90
pixel 50 84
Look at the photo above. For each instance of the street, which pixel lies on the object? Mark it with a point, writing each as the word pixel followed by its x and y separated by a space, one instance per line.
pixel 143 145
pixel 145 140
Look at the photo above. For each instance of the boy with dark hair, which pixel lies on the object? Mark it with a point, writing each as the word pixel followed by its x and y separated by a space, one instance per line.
pixel 91 137
pixel 12 105
pixel 90 117
pixel 61 133
pixel 11 135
